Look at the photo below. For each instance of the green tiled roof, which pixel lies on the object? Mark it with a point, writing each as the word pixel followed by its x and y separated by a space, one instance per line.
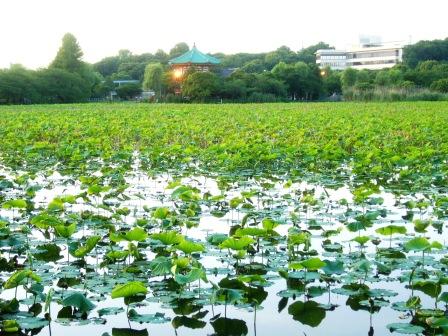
pixel 194 56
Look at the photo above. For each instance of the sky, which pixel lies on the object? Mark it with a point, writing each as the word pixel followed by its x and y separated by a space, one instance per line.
pixel 31 30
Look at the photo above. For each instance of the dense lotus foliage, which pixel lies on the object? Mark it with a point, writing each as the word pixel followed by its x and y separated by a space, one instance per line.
pixel 140 219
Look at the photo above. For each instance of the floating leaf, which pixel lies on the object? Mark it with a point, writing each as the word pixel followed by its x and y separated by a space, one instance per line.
pixel 405 328
pixel 147 318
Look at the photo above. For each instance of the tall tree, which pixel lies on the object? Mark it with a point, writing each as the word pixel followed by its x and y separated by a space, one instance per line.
pixel 179 49
pixel 153 78
pixel 69 55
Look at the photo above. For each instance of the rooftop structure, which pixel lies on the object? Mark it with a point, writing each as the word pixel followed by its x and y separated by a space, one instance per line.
pixel 192 59
pixel 126 81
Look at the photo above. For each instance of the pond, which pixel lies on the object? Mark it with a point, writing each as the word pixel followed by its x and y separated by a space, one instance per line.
pixel 166 254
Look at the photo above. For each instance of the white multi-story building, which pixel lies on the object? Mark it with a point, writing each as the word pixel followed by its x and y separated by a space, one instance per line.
pixel 370 54
pixel 374 57
pixel 335 59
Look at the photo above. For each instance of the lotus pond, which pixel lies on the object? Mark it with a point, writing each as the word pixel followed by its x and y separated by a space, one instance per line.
pixel 288 219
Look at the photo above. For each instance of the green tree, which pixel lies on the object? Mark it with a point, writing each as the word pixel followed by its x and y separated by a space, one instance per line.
pixel 18 85
pixel 69 55
pixel 440 85
pixel 254 66
pixel 201 86
pixel 332 82
pixel 435 50
pixel 349 77
pixel 154 78
pixel 107 66
pixel 303 81
pixel 268 84
pixel 179 49
pixel 60 86
pixel 233 89
pixel 308 55
pixel 161 56
pixel 282 54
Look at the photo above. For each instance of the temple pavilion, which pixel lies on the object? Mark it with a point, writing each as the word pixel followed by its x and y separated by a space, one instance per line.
pixel 192 59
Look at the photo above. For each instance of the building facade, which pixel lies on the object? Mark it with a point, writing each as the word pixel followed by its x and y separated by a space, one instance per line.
pixel 335 59
pixel 375 57
pixel 368 55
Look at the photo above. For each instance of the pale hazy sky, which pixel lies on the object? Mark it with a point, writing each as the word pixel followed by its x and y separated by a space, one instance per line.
pixel 31 30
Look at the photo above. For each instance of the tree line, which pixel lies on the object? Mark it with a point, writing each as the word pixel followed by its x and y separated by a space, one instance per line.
pixel 279 75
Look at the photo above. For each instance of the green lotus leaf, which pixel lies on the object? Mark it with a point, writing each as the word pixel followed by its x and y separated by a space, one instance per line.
pixel 189 247
pixel 250 231
pixel 136 234
pixel 110 311
pixel 431 288
pixel 65 231
pixel 421 225
pixel 79 301
pixel 18 278
pixel 313 264
pixel 10 326
pixel 160 266
pixel 191 323
pixel 391 230
pixel 193 275
pixel 168 237
pixel 237 244
pixel 333 267
pixel 417 244
pixel 161 213
pixel 405 328
pixel 269 224
pixel 217 238
pixel 361 240
pixel 15 204
pixel 129 289
pixel 147 318
pixel 45 220
pixel 308 313
pixel 229 327
pixel 89 245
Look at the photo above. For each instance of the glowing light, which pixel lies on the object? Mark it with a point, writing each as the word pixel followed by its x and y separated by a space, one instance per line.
pixel 177 73
pixel 323 73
